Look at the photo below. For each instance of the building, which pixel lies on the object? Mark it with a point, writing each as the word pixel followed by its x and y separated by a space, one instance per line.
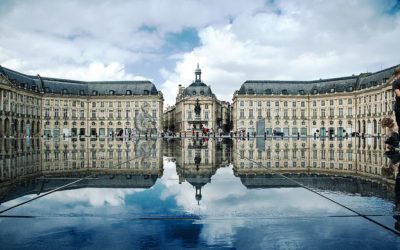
pixel 51 107
pixel 333 107
pixel 352 157
pixel 196 108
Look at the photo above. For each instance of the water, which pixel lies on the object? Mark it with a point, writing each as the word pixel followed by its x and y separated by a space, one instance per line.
pixel 152 194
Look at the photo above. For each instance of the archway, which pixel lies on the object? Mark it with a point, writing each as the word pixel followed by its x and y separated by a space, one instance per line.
pixel 6 127
pixel 363 127
pixel 33 130
pixel 15 128
pixel 22 131
pixel 38 128
pixel 375 127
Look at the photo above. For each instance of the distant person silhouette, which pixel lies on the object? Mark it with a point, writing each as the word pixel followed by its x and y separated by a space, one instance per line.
pixel 396 89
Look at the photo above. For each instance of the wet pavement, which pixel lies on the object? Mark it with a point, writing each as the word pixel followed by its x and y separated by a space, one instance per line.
pixel 197 193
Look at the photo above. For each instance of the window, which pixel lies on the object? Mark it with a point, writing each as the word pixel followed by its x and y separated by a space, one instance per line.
pixel 93 104
pixel 322 103
pixel 206 106
pixel 251 103
pixel 250 113
pixel 189 114
pixel 241 113
pixel 293 104
pixel 93 113
pixel 241 103
pixel 154 113
pixel 340 102
pixel 349 101
pixel 259 103
pixel 206 115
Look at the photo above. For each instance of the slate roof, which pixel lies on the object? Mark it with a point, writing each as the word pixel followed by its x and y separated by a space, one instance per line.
pixel 73 87
pixel 341 84
pixel 197 88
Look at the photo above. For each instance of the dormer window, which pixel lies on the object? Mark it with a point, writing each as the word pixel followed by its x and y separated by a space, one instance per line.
pixel 33 87
pixel 46 90
pixel 111 92
pixel 301 92
pixel 201 92
pixel 94 92
pixel 81 92
pixel 194 92
pixel 350 88
pixel 268 91
pixel 250 91
pixel 315 91
pixel 284 92
pixel 65 91
pixel 332 90
pixel 129 92
pixel 146 92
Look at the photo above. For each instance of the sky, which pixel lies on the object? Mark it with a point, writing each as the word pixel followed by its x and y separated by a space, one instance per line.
pixel 233 41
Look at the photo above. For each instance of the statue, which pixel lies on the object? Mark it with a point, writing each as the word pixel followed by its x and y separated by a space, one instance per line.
pixel 197 108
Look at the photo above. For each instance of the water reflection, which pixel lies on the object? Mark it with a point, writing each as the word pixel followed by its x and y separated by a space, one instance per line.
pixel 203 180
pixel 116 163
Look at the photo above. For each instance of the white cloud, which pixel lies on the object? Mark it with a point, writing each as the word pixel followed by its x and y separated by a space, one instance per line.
pixel 297 41
pixel 240 40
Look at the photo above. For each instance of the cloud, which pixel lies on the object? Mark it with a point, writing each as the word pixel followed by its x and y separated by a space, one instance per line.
pixel 292 41
pixel 233 41
pixel 69 37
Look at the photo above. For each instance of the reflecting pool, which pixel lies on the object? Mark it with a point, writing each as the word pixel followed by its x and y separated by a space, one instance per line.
pixel 197 193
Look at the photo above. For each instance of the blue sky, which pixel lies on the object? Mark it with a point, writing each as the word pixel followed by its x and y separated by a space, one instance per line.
pixel 233 41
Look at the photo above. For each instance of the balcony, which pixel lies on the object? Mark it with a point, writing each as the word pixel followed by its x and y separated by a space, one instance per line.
pixel 349 116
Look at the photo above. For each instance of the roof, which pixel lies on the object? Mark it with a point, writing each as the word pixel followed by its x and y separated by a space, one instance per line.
pixel 73 87
pixel 341 84
pixel 197 88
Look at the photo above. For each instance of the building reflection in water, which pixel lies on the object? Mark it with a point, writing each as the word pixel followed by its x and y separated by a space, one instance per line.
pixel 35 166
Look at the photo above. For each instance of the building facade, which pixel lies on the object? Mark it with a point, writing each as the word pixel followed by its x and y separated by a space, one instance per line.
pixel 196 108
pixel 50 107
pixel 330 107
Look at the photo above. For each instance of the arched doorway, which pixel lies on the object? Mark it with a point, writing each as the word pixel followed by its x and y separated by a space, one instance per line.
pixel 38 128
pixel 379 126
pixel 363 127
pixel 15 127
pixel 33 129
pixel 375 127
pixel 22 131
pixel 6 127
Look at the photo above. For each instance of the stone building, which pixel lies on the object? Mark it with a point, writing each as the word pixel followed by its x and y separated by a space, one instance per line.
pixel 352 157
pixel 35 105
pixel 196 108
pixel 333 107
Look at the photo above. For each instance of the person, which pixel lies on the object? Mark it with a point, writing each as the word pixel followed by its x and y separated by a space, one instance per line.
pixel 392 141
pixel 396 90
